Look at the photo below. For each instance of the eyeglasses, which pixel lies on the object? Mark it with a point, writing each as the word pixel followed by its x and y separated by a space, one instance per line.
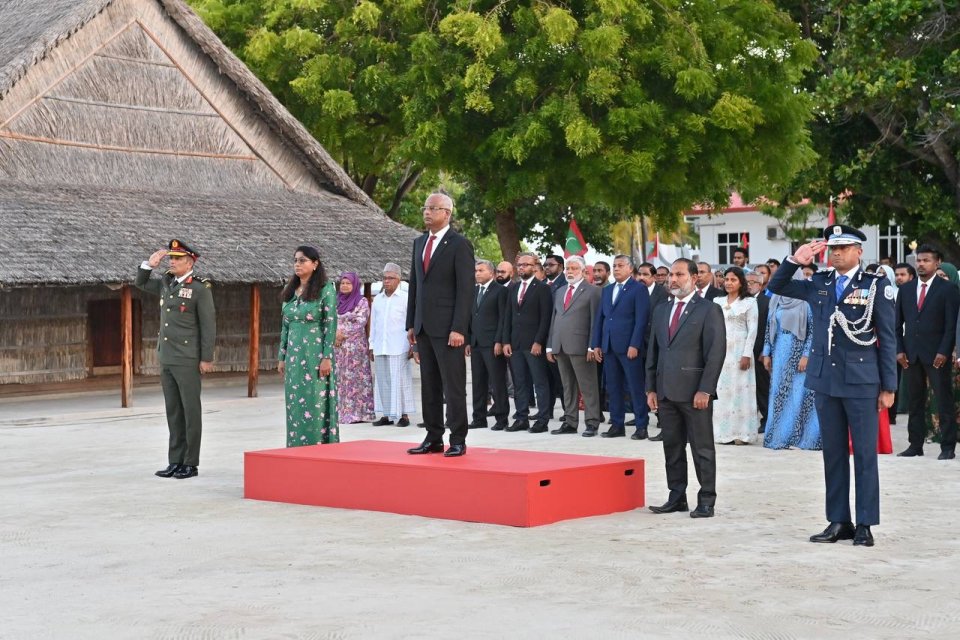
pixel 425 209
pixel 526 264
pixel 301 260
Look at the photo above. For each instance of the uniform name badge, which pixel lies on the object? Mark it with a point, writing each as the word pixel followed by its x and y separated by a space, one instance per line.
pixel 186 293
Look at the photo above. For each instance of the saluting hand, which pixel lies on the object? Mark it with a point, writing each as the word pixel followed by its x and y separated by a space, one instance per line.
pixel 807 252
pixel 156 257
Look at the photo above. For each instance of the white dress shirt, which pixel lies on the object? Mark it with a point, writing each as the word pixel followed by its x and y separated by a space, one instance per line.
pixel 438 236
pixel 388 317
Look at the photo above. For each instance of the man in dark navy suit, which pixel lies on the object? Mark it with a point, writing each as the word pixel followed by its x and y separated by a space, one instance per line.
pixel 926 331
pixel 488 366
pixel 553 267
pixel 619 338
pixel 529 308
pixel 852 368
pixel 438 319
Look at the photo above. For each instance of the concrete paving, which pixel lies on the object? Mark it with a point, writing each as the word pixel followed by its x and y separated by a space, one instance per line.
pixel 94 546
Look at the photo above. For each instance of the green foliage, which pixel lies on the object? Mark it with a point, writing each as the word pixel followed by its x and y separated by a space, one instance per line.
pixel 541 109
pixel 889 120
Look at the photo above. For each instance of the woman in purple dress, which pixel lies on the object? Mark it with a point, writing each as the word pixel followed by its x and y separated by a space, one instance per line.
pixel 352 353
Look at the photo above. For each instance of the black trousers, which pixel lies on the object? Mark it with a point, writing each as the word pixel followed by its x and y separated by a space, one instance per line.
pixel 680 423
pixel 443 374
pixel 917 375
pixel 763 391
pixel 530 371
pixel 489 373
pixel 556 388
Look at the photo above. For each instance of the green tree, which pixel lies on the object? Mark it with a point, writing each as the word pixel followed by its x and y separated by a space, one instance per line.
pixel 888 104
pixel 600 109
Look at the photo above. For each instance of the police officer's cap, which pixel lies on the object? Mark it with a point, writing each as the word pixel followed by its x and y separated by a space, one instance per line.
pixel 181 248
pixel 841 234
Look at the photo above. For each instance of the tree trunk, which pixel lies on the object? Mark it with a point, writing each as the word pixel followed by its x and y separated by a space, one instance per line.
pixel 507 234
pixel 369 184
pixel 409 181
pixel 947 245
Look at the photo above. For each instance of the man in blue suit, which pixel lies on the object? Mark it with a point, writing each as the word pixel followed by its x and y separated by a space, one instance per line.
pixel 619 340
pixel 852 368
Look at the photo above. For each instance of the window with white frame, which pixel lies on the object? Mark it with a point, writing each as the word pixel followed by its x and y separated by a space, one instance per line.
pixel 727 242
pixel 891 243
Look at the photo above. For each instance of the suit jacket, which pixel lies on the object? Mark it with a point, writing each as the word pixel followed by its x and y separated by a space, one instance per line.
pixel 570 328
pixel 528 322
pixel 714 292
pixel 845 369
pixel 188 323
pixel 690 362
pixel 558 282
pixel 622 324
pixel 763 310
pixel 922 334
pixel 440 300
pixel 486 321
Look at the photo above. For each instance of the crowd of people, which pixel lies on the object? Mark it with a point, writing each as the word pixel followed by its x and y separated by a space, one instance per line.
pixel 775 353
pixel 585 350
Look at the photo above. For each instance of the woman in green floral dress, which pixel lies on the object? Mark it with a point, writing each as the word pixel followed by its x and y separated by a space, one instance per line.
pixel 307 334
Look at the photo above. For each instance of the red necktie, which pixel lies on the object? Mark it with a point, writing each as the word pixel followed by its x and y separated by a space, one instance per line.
pixel 675 321
pixel 523 292
pixel 923 296
pixel 566 298
pixel 427 252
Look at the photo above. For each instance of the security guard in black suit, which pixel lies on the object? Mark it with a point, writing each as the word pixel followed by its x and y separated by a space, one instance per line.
pixel 188 331
pixel 853 369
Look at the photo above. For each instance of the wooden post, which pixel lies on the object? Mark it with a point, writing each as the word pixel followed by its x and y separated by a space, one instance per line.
pixel 253 367
pixel 126 337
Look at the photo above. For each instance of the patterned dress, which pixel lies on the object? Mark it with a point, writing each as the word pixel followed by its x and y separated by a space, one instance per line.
pixel 735 415
pixel 306 337
pixel 355 393
pixel 792 421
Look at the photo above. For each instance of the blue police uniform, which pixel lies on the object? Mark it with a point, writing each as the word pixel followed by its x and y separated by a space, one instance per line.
pixel 852 359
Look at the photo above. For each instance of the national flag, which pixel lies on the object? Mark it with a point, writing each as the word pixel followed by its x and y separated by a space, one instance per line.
pixel 745 240
pixel 575 245
pixel 656 249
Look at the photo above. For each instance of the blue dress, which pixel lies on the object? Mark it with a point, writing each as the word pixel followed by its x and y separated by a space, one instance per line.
pixel 792 419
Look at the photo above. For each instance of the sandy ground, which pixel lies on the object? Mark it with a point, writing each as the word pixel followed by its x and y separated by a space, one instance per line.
pixel 94 546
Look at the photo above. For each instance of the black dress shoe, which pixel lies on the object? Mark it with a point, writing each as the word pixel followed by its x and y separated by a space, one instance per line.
pixel 186 471
pixel 539 427
pixel 403 422
pixel 863 537
pixel 702 511
pixel 499 426
pixel 910 452
pixel 614 432
pixel 518 425
pixel 671 507
pixel 455 450
pixel 589 433
pixel 477 425
pixel 639 434
pixel 946 455
pixel 564 429
pixel 427 447
pixel 168 472
pixel 630 423
pixel 422 425
pixel 382 422
pixel 836 531
pixel 657 438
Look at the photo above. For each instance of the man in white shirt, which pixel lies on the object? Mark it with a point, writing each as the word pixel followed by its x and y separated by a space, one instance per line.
pixel 390 352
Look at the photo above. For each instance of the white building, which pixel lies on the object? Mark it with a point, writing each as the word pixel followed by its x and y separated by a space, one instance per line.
pixel 744 224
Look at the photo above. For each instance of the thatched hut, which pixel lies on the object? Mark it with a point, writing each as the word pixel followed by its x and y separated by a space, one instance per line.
pixel 124 123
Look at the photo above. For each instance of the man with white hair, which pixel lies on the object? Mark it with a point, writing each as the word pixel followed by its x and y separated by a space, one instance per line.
pixel 390 352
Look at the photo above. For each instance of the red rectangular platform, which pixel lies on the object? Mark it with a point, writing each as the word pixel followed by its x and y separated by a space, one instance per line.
pixel 499 486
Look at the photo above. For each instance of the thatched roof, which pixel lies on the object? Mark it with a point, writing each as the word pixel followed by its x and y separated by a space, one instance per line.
pixel 81 235
pixel 134 84
pixel 126 122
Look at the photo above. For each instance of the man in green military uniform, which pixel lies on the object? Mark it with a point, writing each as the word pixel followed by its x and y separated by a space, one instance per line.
pixel 188 330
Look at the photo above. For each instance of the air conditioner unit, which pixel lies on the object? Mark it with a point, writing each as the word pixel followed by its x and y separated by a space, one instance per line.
pixel 775 233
